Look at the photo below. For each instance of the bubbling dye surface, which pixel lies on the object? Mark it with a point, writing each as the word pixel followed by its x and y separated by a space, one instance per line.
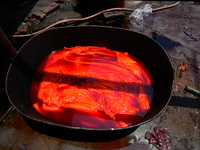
pixel 92 87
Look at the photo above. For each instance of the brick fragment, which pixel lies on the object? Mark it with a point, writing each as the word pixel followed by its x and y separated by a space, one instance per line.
pixel 33 19
pixel 23 29
pixel 36 21
pixel 39 15
pixel 51 8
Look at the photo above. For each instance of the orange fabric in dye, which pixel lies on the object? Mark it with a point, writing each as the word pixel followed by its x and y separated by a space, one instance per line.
pixel 106 86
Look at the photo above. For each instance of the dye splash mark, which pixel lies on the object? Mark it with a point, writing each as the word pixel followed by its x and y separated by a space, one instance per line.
pixel 165 42
pixel 160 137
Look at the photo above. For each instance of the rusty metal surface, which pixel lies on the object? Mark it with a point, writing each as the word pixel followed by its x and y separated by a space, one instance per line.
pixel 177 30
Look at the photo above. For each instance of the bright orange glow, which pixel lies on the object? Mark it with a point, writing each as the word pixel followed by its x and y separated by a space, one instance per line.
pixel 91 87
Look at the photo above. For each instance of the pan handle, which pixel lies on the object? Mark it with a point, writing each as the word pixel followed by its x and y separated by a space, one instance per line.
pixel 6 45
pixel 10 51
pixel 10 109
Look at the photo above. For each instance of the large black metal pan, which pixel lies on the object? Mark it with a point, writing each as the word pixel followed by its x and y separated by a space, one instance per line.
pixel 37 48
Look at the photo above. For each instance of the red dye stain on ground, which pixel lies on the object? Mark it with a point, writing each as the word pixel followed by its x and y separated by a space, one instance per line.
pixel 160 137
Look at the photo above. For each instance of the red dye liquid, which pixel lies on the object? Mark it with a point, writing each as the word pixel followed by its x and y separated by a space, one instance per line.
pixel 91 87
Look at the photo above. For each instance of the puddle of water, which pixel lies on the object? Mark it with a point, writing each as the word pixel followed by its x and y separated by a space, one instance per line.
pixel 165 42
pixel 90 7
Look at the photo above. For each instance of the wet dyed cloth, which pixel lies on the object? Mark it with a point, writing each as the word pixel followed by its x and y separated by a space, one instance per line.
pixel 91 87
